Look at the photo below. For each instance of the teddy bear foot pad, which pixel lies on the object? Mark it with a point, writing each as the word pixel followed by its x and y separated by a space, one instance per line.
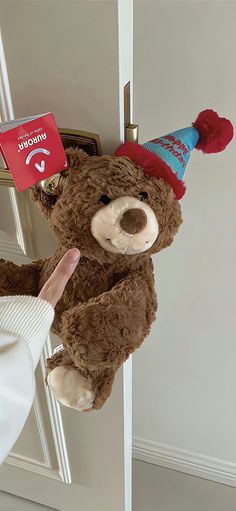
pixel 70 388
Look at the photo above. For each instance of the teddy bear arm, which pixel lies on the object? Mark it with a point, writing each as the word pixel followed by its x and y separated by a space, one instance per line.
pixel 103 332
pixel 19 280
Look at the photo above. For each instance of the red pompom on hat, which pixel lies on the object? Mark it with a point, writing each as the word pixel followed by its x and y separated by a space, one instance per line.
pixel 215 132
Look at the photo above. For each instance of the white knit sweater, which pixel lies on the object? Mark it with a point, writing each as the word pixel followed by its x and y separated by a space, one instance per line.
pixel 24 325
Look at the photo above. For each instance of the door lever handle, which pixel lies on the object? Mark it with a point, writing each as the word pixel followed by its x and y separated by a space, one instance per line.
pixel 131 130
pixel 131 133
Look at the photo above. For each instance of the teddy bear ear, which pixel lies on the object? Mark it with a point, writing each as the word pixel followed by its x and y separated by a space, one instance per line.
pixel 46 194
pixel 45 199
pixel 76 157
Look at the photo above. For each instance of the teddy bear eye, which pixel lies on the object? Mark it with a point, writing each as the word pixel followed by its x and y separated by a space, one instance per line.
pixel 144 195
pixel 105 199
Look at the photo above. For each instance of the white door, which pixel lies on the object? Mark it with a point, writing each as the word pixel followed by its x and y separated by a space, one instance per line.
pixel 72 58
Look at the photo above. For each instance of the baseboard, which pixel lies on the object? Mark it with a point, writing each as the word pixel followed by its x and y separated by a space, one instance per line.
pixel 199 465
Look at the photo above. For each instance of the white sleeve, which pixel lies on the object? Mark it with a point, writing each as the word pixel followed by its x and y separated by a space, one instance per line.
pixel 24 325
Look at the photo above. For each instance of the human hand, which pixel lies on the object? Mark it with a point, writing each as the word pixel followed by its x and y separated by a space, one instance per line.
pixel 55 285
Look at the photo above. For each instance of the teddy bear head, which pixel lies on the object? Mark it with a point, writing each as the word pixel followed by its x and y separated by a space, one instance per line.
pixel 110 209
pixel 125 207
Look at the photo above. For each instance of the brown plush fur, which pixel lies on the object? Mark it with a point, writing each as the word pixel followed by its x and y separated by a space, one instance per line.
pixel 109 304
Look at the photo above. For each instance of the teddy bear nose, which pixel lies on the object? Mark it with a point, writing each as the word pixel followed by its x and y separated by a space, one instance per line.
pixel 133 220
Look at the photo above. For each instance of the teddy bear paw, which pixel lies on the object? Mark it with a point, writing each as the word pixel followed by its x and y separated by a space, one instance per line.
pixel 70 388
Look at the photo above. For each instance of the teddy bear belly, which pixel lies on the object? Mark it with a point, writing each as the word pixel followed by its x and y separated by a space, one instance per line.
pixel 89 280
pixel 77 293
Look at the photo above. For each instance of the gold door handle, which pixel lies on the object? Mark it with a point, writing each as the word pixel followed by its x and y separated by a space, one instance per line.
pixel 131 130
pixel 6 178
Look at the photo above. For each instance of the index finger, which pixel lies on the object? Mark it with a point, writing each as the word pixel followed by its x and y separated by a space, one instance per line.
pixel 55 285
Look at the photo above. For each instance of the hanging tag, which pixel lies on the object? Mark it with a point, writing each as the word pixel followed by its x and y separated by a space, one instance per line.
pixel 32 149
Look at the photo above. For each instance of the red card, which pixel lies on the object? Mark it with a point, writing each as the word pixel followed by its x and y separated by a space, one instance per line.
pixel 32 149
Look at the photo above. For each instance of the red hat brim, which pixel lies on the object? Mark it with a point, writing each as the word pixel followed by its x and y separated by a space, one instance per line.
pixel 152 165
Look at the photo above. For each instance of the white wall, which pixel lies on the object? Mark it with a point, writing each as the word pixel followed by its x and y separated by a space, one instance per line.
pixel 184 375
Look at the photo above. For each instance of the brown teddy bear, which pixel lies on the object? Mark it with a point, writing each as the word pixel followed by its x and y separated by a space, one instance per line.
pixel 119 211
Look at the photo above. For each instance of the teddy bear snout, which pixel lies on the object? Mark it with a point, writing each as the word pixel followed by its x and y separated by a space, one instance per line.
pixel 126 225
pixel 133 221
